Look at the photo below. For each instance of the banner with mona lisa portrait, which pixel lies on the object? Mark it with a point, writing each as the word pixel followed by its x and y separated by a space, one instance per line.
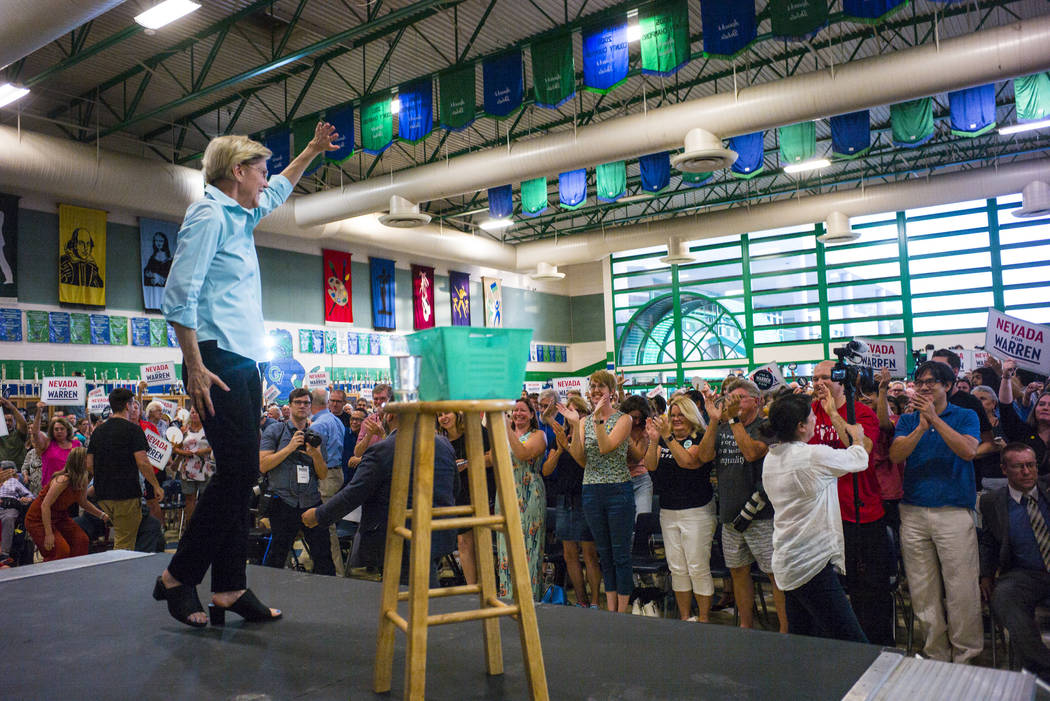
pixel 81 255
pixel 156 251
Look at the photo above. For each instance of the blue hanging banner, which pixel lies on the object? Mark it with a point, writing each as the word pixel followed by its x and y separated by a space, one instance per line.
pixel 501 202
pixel 972 110
pixel 416 118
pixel 502 85
pixel 343 121
pixel 729 27
pixel 572 188
pixel 382 271
pixel 871 11
pixel 851 134
pixel 280 144
pixel 605 56
pixel 750 149
pixel 459 292
pixel 655 171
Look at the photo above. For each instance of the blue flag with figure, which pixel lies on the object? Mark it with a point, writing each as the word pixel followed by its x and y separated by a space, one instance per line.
pixel 572 188
pixel 280 143
pixel 750 149
pixel 871 11
pixel 343 121
pixel 972 110
pixel 851 134
pixel 459 292
pixel 156 249
pixel 729 26
pixel 605 56
pixel 501 202
pixel 655 170
pixel 382 271
pixel 502 85
pixel 416 118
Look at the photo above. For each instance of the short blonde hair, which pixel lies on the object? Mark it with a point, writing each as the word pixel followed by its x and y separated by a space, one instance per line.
pixel 224 152
pixel 603 377
pixel 689 411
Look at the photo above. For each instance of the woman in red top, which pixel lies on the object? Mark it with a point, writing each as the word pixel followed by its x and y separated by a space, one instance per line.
pixel 48 520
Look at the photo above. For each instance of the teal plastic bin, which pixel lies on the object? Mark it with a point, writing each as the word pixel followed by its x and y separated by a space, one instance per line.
pixel 463 362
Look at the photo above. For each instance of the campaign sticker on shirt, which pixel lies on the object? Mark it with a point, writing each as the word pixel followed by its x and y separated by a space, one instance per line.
pixel 158 374
pixel 687 443
pixel 158 450
pixel 63 391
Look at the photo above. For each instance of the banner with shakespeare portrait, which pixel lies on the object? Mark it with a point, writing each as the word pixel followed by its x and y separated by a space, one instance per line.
pixel 422 297
pixel 156 249
pixel 338 295
pixel 81 255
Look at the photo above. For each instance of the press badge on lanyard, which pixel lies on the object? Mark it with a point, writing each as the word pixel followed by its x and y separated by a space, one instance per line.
pixel 302 473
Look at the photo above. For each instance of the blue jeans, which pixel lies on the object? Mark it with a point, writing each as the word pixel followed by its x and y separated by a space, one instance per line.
pixel 819 608
pixel 609 509
pixel 643 493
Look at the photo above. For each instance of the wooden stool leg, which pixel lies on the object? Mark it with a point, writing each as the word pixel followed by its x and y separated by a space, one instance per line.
pixel 479 499
pixel 419 569
pixel 528 629
pixel 384 664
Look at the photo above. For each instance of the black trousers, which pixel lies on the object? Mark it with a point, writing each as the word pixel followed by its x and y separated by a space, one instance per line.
pixel 869 566
pixel 217 534
pixel 285 523
pixel 1014 599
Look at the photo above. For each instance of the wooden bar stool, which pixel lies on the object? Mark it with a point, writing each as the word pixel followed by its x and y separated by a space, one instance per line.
pixel 417 425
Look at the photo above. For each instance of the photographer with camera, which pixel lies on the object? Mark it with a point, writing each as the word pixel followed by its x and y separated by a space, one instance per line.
pixel 292 457
pixel 869 558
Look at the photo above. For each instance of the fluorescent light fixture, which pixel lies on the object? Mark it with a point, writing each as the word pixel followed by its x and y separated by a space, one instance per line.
pixel 1026 126
pixel 634 30
pixel 165 13
pixel 395 105
pixel 814 164
pixel 496 224
pixel 9 93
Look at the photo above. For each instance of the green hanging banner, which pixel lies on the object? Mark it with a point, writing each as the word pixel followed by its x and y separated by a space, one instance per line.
pixel 1032 97
pixel 553 71
pixel 796 20
pixel 534 197
pixel 798 142
pixel 457 102
pixel 611 181
pixel 302 132
pixel 377 125
pixel 665 37
pixel 912 122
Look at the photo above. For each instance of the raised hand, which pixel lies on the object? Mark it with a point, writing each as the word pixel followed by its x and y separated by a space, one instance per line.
pixel 569 414
pixel 651 431
pixel 663 426
pixel 884 379
pixel 713 407
pixel 732 407
pixel 324 139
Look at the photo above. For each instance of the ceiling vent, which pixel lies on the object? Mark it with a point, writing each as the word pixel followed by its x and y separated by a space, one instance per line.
pixel 837 230
pixel 677 253
pixel 1035 200
pixel 704 153
pixel 546 271
pixel 403 214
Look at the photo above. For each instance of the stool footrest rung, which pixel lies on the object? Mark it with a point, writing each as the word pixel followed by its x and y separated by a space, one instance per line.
pixel 445 591
pixel 496 523
pixel 397 620
pixel 475 615
pixel 441 511
pixel 403 532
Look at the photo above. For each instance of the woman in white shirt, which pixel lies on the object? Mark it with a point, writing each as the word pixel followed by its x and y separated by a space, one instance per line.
pixel 808 551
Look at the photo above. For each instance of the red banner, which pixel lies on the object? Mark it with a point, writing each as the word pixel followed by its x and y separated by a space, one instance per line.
pixel 422 296
pixel 338 299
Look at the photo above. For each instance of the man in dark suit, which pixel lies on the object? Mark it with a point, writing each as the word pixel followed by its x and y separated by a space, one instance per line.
pixel 1015 542
pixel 370 489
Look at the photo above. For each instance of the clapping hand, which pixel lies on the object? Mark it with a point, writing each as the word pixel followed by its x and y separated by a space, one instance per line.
pixel 651 431
pixel 548 414
pixel 884 379
pixel 569 414
pixel 924 407
pixel 732 407
pixel 713 407
pixel 663 426
pixel 602 404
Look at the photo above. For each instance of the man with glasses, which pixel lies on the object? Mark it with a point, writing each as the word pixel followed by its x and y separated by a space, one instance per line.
pixel 1015 543
pixel 937 441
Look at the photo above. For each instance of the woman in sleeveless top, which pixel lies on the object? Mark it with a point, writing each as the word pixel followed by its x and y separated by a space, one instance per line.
pixel 48 520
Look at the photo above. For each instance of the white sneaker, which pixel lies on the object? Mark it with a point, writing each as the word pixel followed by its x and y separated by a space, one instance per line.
pixel 694 619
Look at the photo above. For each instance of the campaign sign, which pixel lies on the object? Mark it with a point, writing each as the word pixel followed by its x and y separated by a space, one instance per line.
pixel 271 393
pixel 533 387
pixel 158 374
pixel 159 450
pixel 318 379
pixel 767 377
pixel 97 400
pixel 1024 342
pixel 892 355
pixel 971 359
pixel 170 408
pixel 63 391
pixel 562 385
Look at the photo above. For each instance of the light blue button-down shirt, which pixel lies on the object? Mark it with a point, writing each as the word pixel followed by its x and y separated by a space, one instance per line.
pixel 331 430
pixel 214 285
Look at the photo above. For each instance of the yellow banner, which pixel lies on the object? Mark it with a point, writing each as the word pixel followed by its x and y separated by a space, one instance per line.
pixel 81 255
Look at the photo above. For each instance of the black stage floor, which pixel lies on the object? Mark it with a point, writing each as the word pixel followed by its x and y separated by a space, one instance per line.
pixel 95 633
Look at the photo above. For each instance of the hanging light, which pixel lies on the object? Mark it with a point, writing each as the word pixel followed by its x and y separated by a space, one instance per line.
pixel 165 13
pixel 496 224
pixel 1024 126
pixel 9 93
pixel 806 166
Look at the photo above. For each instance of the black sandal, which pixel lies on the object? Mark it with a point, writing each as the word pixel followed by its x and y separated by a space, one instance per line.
pixel 182 602
pixel 247 607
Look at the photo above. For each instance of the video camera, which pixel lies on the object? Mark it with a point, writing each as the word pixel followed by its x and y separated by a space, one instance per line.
pixel 848 370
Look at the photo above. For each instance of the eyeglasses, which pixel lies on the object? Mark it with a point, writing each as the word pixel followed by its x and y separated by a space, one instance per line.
pixel 1023 467
pixel 300 402
pixel 927 383
pixel 263 171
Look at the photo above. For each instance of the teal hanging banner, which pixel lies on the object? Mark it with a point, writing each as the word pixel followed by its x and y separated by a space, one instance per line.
pixel 553 71
pixel 912 122
pixel 798 142
pixel 457 103
pixel 797 20
pixel 377 125
pixel 534 197
pixel 1032 97
pixel 665 37
pixel 611 181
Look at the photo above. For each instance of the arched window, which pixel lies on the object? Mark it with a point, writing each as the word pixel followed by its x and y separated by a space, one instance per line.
pixel 709 332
